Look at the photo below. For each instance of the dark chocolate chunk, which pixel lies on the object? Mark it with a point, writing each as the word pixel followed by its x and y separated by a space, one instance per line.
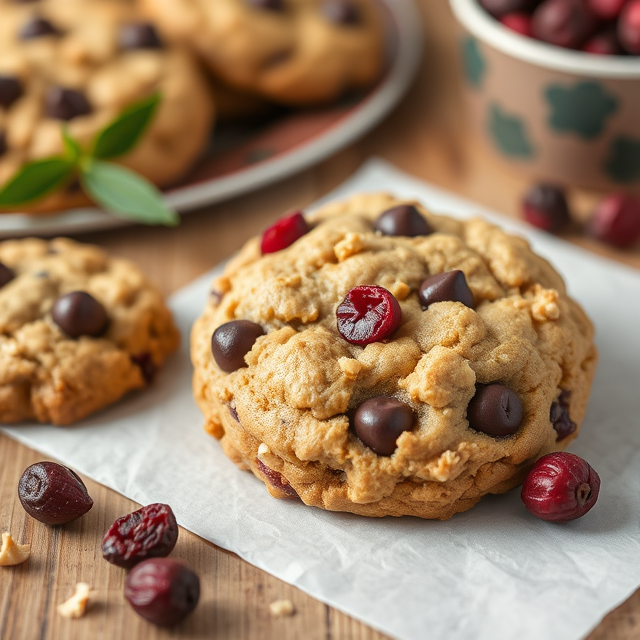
pixel 139 35
pixel 37 27
pixel 379 421
pixel 267 5
pixel 3 143
pixel 404 220
pixel 495 410
pixel 6 274
pixel 65 104
pixel 448 286
pixel 10 90
pixel 341 12
pixel 232 341
pixel 79 314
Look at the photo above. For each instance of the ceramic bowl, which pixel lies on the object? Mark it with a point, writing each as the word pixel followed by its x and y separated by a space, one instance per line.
pixel 556 114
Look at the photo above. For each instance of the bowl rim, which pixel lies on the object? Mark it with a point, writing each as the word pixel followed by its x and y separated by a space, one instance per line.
pixel 485 27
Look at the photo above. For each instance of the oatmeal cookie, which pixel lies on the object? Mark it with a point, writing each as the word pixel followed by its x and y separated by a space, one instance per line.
pixel 295 52
pixel 391 361
pixel 78 330
pixel 80 63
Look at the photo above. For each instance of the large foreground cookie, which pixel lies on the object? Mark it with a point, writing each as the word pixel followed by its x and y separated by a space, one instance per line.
pixel 444 386
pixel 291 51
pixel 80 63
pixel 78 330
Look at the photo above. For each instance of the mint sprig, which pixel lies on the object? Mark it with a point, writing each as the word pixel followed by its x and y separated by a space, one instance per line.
pixel 115 188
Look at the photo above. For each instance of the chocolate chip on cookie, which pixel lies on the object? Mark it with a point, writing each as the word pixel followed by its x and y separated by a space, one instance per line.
pixel 449 286
pixel 559 415
pixel 404 220
pixel 10 90
pixel 38 27
pixel 139 35
pixel 495 410
pixel 6 274
pixel 268 5
pixel 3 143
pixel 65 104
pixel 380 421
pixel 79 314
pixel 342 12
pixel 232 341
pixel 147 366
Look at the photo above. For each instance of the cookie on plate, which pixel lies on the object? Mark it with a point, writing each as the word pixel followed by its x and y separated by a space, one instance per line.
pixel 79 64
pixel 295 52
pixel 78 330
pixel 391 361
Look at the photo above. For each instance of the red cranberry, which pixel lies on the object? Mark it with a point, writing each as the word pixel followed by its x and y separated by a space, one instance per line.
pixel 606 9
pixel 499 8
pixel 560 487
pixel 629 27
pixel 53 494
pixel 276 479
pixel 518 22
pixel 150 532
pixel 284 233
pixel 545 206
pixel 604 43
pixel 162 591
pixel 368 314
pixel 564 23
pixel 616 220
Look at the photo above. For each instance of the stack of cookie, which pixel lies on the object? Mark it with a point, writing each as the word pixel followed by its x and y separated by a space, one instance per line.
pixel 81 62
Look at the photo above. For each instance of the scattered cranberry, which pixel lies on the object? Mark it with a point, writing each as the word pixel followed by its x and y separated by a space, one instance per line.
pixel 368 314
pixel 629 27
pixel 518 22
pixel 606 9
pixel 276 479
pixel 564 23
pixel 560 487
pixel 545 206
pixel 616 220
pixel 150 532
pixel 284 233
pixel 604 43
pixel 499 8
pixel 162 591
pixel 53 494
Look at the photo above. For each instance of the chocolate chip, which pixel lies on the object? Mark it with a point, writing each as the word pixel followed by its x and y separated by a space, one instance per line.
pixel 495 410
pixel 404 220
pixel 36 28
pixel 448 286
pixel 65 104
pixel 6 274
pixel 147 366
pixel 268 5
pixel 139 35
pixel 559 415
pixel 342 12
pixel 232 341
pixel 379 421
pixel 79 314
pixel 3 143
pixel 10 90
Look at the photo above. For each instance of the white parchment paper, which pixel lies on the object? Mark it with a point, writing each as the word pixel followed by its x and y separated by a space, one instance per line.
pixel 492 573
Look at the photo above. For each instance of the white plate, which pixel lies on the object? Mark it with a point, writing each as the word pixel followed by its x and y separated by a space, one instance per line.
pixel 287 146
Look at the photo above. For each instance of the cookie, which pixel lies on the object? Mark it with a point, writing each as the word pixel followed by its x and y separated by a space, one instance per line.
pixel 79 64
pixel 78 330
pixel 390 361
pixel 296 52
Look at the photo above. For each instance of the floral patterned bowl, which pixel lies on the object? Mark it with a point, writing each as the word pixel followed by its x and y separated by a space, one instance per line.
pixel 554 113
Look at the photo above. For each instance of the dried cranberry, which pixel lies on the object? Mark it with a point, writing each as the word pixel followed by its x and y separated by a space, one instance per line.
pixel 499 8
pixel 560 487
pixel 284 233
pixel 162 591
pixel 629 27
pixel 150 532
pixel 276 479
pixel 616 220
pixel 606 9
pixel 53 494
pixel 147 367
pixel 368 314
pixel 604 43
pixel 518 22
pixel 564 23
pixel 545 206
pixel 559 416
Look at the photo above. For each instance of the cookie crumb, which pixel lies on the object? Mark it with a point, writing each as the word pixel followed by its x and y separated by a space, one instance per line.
pixel 281 608
pixel 76 605
pixel 11 553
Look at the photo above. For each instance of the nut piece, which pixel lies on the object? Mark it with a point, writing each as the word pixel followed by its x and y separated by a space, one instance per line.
pixel 76 605
pixel 281 608
pixel 11 553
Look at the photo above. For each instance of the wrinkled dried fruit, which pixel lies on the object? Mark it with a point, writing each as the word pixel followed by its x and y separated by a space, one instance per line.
pixel 53 494
pixel 560 487
pixel 150 532
pixel 276 479
pixel 162 591
pixel 616 220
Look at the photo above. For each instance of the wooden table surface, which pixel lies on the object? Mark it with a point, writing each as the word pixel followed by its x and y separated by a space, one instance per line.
pixel 426 136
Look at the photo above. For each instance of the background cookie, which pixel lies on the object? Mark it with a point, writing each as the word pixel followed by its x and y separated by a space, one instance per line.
pixel 81 63
pixel 63 357
pixel 295 52
pixel 289 414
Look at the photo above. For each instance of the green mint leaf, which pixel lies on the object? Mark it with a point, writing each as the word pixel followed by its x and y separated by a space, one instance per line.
pixel 36 179
pixel 125 194
pixel 72 149
pixel 122 134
